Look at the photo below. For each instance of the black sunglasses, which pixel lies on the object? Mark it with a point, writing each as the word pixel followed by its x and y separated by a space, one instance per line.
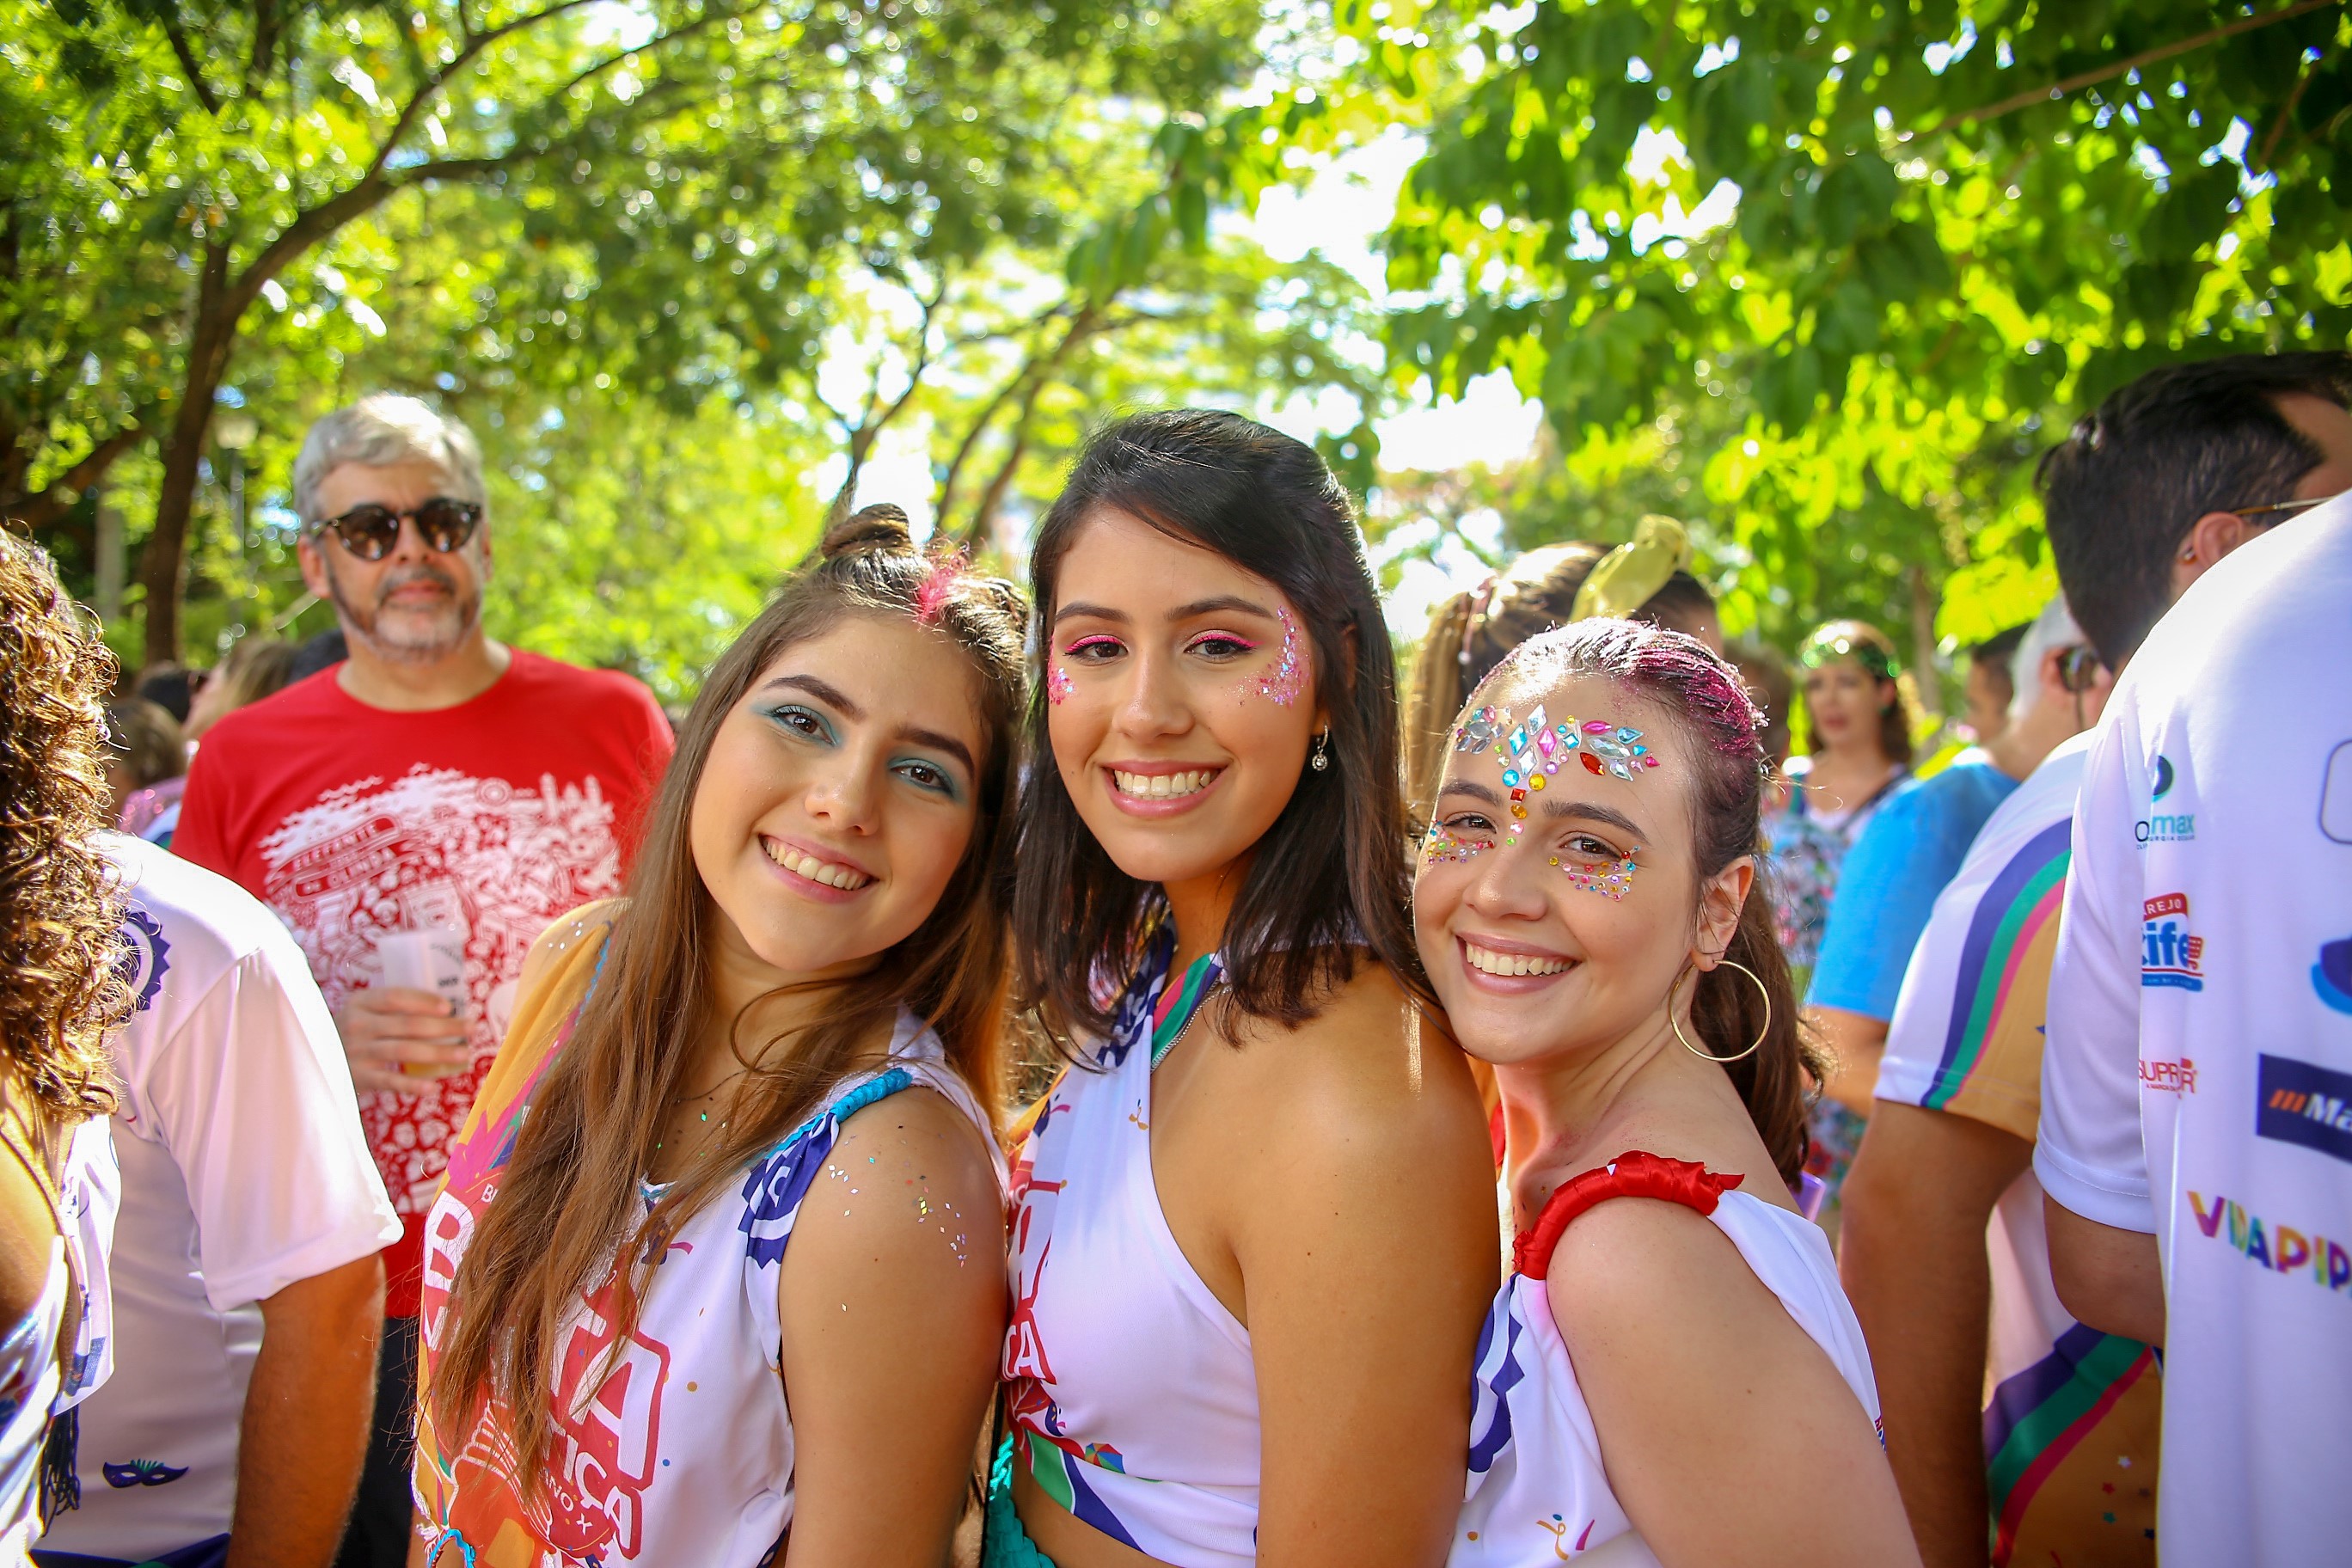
pixel 370 530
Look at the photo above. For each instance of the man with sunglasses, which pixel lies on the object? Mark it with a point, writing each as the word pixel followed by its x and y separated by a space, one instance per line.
pixel 2017 1433
pixel 416 815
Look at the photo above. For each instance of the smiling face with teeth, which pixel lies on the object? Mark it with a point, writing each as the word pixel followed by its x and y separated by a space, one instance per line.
pixel 1531 964
pixel 1187 704
pixel 837 800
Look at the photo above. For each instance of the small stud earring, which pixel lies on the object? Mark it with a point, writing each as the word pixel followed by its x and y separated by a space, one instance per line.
pixel 1319 761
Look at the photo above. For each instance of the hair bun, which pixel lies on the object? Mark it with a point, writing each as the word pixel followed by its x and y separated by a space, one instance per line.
pixel 878 529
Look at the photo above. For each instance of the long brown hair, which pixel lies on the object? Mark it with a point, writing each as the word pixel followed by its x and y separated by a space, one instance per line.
pixel 1730 769
pixel 61 987
pixel 1472 632
pixel 568 1197
pixel 1330 876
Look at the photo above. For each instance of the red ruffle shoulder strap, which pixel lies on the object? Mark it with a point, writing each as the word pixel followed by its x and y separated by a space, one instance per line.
pixel 1634 1175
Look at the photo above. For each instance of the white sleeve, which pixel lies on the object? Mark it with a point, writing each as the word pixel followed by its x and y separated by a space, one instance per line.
pixel 253 1097
pixel 2089 1155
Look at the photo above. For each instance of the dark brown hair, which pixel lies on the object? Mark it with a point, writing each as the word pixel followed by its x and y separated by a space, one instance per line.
pixel 1331 874
pixel 1730 770
pixel 1472 632
pixel 568 1196
pixel 2122 491
pixel 61 988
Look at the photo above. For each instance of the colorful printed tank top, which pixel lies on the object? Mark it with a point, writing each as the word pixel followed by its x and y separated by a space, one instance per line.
pixel 684 1455
pixel 1537 1491
pixel 1132 1394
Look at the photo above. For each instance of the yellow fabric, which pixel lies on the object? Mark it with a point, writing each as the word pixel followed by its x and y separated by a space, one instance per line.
pixel 554 979
pixel 1629 574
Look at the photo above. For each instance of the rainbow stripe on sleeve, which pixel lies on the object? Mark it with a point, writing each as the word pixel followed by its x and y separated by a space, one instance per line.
pixel 2039 1416
pixel 2020 900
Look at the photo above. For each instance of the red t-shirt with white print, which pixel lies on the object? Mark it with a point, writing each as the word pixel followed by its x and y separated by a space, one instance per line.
pixel 489 819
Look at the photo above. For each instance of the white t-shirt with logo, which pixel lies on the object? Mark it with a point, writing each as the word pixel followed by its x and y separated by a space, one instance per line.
pixel 2198 1078
pixel 244 1171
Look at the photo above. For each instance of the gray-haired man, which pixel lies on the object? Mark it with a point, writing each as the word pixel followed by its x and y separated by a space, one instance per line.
pixel 416 814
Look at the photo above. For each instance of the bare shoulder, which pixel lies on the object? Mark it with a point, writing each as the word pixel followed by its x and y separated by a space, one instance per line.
pixel 1641 1275
pixel 910 1176
pixel 584 927
pixel 1370 1052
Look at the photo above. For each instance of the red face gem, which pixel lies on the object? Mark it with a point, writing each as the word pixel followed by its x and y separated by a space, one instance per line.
pixel 1591 763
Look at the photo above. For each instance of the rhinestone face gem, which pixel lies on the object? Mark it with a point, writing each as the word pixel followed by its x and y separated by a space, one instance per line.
pixel 1478 731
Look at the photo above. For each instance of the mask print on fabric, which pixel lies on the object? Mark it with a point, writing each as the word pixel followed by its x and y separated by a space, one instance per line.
pixel 1282 684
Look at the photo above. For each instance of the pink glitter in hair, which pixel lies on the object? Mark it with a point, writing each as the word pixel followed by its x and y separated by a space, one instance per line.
pixel 948 569
pixel 1715 700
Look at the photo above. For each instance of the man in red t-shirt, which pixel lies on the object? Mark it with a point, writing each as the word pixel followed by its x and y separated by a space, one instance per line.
pixel 419 812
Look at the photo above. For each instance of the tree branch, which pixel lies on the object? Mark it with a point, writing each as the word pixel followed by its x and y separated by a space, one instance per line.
pixel 2286 112
pixel 2058 90
pixel 196 82
pixel 45 506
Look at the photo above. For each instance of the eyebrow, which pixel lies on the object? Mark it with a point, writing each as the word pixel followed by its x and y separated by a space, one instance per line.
pixel 1553 807
pixel 835 698
pixel 1209 606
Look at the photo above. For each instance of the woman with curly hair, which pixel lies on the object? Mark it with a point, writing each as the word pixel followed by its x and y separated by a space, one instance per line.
pixel 61 988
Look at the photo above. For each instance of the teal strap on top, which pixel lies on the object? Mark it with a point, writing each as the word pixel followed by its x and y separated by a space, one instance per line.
pixel 1004 1542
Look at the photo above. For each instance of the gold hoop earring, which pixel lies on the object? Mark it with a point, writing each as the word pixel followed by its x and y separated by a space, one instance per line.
pixel 1754 1046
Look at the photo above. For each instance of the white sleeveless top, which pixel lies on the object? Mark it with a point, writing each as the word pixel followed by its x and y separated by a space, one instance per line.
pixel 1537 1492
pixel 1133 1396
pixel 34 1383
pixel 686 1455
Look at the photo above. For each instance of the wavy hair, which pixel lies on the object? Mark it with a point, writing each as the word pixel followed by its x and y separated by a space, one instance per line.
pixel 568 1197
pixel 61 985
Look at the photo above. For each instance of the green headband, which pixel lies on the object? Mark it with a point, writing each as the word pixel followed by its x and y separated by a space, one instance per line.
pixel 1825 647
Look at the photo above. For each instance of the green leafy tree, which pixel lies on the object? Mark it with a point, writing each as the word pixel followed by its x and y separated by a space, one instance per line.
pixel 178 164
pixel 1881 252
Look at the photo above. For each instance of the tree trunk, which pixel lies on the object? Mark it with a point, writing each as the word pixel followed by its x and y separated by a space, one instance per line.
pixel 1924 679
pixel 164 564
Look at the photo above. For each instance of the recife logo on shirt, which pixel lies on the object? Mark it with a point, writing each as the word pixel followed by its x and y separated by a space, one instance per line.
pixel 2296 1102
pixel 2169 955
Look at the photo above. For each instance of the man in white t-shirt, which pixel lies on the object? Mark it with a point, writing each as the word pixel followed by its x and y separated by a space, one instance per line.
pixel 247 1290
pixel 2196 1142
pixel 2019 1434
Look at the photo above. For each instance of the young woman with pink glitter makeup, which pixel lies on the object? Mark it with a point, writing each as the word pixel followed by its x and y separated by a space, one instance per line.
pixel 1255 1221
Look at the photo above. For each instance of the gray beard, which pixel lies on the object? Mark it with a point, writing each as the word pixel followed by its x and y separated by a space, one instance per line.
pixel 456 622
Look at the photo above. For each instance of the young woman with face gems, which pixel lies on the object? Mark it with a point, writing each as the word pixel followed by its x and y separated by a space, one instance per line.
pixel 1671 1374
pixel 1255 1223
pixel 755 1161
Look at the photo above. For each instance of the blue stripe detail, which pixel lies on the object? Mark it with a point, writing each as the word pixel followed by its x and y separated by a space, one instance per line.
pixel 1991 909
